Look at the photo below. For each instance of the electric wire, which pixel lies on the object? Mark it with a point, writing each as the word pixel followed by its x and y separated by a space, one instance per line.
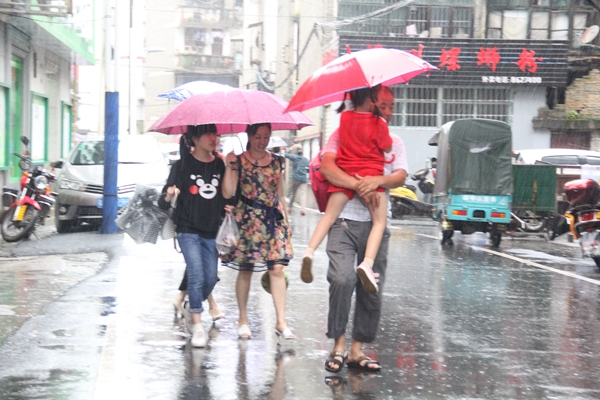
pixel 364 17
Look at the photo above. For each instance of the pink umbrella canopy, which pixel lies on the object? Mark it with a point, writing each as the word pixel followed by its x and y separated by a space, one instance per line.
pixel 231 111
pixel 361 69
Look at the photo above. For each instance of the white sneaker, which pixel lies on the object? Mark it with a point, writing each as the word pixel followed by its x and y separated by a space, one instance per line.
pixel 367 278
pixel 198 336
pixel 187 315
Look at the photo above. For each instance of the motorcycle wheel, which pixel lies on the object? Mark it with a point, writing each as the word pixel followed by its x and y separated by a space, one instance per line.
pixel 534 224
pixel 13 231
pixel 399 209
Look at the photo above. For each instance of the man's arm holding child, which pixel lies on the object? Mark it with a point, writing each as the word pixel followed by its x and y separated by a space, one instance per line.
pixel 337 177
pixel 392 180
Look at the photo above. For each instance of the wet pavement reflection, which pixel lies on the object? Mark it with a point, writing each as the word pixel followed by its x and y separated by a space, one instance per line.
pixel 461 321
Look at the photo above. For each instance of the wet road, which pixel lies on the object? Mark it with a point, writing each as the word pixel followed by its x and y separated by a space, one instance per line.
pixel 465 321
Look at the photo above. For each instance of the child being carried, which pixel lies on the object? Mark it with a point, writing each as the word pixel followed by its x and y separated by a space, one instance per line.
pixel 364 137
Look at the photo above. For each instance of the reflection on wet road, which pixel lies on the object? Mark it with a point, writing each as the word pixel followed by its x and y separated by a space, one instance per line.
pixel 463 321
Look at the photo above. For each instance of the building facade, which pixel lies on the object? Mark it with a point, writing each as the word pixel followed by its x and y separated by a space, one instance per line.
pixel 39 45
pixel 510 60
pixel 189 40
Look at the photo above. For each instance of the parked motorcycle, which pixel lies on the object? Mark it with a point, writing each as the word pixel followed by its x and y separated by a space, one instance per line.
pixel 584 215
pixel 404 198
pixel 30 204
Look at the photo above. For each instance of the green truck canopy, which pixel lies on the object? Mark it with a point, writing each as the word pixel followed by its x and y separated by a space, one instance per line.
pixel 474 157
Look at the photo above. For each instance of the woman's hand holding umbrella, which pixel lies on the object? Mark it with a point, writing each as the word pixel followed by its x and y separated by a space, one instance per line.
pixel 231 160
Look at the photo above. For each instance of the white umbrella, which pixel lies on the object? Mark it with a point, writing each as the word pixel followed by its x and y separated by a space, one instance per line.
pixel 237 143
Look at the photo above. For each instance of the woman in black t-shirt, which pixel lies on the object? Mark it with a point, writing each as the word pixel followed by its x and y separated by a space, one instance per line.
pixel 202 182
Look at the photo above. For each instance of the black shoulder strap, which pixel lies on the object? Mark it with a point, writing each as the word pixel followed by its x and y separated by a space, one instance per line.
pixel 279 160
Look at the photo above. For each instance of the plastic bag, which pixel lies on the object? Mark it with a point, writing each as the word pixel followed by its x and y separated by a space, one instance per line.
pixel 228 235
pixel 142 219
pixel 168 229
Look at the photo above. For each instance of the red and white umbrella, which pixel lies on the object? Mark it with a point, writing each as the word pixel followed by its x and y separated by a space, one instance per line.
pixel 361 69
pixel 231 110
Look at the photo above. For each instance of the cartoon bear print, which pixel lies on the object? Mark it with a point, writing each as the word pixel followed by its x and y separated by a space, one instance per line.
pixel 208 190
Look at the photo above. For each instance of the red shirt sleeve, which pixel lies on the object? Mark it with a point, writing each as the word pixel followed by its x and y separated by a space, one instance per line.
pixel 385 139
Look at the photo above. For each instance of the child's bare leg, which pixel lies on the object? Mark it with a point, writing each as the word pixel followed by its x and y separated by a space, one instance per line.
pixel 365 269
pixel 335 204
pixel 379 219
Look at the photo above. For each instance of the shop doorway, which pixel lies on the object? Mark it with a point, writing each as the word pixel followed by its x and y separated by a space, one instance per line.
pixel 16 120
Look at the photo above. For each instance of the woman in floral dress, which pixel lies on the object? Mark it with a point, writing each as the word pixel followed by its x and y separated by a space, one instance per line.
pixel 265 237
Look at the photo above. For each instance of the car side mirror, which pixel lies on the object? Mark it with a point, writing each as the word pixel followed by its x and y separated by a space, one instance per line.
pixel 57 164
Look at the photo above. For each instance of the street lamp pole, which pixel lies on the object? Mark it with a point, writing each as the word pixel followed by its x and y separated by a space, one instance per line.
pixel 111 133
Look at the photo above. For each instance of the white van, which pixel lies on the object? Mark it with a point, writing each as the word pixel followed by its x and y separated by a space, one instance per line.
pixel 557 156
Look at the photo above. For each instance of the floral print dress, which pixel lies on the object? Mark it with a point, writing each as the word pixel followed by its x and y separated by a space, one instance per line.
pixel 265 237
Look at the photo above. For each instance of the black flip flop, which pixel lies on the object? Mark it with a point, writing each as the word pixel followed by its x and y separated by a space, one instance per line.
pixel 334 381
pixel 332 359
pixel 366 366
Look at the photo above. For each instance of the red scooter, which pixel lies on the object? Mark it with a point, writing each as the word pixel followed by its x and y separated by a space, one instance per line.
pixel 28 205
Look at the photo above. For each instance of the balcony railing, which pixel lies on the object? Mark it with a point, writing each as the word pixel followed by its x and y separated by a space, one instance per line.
pixel 193 61
pixel 215 19
pixel 51 8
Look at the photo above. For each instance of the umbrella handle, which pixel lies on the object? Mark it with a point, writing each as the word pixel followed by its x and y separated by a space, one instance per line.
pixel 241 144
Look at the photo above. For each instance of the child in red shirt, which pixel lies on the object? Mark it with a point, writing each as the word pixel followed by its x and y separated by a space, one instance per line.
pixel 364 137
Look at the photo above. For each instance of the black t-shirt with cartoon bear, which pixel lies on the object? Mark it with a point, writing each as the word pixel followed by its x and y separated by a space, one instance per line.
pixel 200 204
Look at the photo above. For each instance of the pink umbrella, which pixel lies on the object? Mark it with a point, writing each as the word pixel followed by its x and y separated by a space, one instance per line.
pixel 231 111
pixel 361 69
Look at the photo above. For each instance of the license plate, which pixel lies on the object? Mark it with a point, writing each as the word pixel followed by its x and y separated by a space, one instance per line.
pixel 121 202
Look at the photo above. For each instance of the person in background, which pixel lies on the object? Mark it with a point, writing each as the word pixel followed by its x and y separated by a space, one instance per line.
pixel 348 239
pixel 201 181
pixel 298 178
pixel 265 236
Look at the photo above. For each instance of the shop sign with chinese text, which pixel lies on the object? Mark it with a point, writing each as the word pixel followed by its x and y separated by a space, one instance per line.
pixel 478 62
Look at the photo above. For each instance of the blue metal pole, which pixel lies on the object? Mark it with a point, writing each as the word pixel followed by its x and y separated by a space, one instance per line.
pixel 111 161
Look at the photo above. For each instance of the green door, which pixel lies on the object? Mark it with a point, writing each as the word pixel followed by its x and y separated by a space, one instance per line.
pixel 16 103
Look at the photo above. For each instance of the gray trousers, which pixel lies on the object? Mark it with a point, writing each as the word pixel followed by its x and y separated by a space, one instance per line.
pixel 295 187
pixel 346 244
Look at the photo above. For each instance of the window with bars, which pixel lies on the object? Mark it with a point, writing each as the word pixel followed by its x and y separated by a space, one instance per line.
pixel 457 103
pixel 538 19
pixel 420 106
pixel 437 18
pixel 431 107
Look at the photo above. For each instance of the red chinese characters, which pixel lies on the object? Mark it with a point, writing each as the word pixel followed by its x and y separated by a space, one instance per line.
pixel 528 60
pixel 489 57
pixel 418 53
pixel 449 59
